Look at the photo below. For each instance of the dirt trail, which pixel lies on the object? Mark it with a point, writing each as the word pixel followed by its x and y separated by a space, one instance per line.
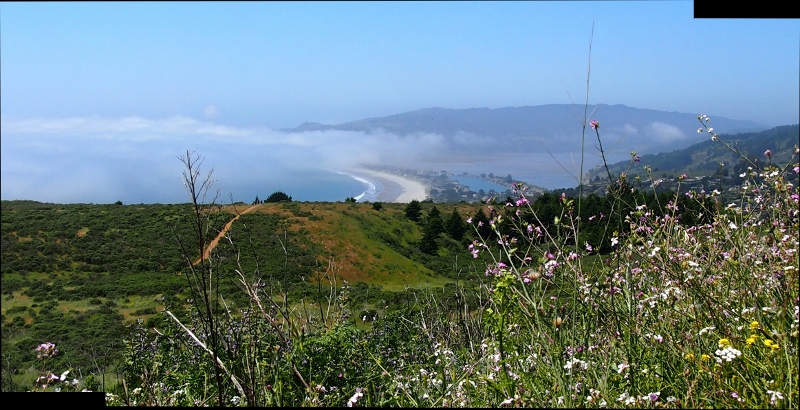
pixel 210 247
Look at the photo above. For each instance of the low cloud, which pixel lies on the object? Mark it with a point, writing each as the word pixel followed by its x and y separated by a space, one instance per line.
pixel 664 133
pixel 629 129
pixel 134 159
pixel 472 139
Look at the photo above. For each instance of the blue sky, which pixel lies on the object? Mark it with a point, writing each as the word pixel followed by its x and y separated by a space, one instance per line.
pixel 278 64
pixel 135 72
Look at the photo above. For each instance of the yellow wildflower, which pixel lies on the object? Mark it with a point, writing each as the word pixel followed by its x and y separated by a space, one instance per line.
pixel 754 325
pixel 767 342
pixel 752 339
pixel 723 343
pixel 775 347
pixel 689 356
pixel 705 357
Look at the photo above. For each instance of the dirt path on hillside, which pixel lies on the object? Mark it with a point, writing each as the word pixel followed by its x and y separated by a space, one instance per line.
pixel 213 244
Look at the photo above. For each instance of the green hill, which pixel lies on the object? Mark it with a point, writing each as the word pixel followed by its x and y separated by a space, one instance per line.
pixel 78 273
pixel 703 158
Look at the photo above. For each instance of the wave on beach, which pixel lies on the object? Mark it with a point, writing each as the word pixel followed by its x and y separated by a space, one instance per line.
pixel 373 188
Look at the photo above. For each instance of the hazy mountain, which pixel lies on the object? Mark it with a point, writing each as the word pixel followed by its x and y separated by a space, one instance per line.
pixel 554 128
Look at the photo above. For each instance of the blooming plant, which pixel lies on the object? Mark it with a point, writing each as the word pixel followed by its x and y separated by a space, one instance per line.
pixel 658 300
pixel 49 381
pixel 637 316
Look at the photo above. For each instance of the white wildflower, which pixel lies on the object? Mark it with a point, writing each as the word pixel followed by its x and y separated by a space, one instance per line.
pixel 774 396
pixel 355 397
pixel 706 330
pixel 727 354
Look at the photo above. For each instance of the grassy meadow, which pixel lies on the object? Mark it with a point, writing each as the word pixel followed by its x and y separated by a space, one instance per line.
pixel 679 299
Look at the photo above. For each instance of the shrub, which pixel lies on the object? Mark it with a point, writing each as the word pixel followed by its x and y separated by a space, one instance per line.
pixel 278 196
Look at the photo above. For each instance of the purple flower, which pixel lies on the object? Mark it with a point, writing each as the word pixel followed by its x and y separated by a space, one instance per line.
pixel 46 350
pixel 768 153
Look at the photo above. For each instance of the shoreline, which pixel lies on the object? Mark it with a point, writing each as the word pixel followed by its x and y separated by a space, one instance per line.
pixel 396 189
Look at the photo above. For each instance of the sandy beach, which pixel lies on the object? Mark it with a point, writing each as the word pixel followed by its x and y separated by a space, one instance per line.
pixel 396 188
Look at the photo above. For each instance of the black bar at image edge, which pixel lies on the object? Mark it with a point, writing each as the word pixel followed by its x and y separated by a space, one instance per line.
pixel 57 400
pixel 769 9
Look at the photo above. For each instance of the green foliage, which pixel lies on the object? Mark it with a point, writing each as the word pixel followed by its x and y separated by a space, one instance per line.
pixel 630 299
pixel 428 242
pixel 455 226
pixel 434 221
pixel 413 210
pixel 481 222
pixel 278 196
pixel 704 157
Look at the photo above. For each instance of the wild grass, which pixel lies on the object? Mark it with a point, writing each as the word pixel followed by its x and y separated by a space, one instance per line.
pixel 676 315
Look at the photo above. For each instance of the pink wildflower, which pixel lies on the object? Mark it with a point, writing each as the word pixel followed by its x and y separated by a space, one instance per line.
pixel 594 124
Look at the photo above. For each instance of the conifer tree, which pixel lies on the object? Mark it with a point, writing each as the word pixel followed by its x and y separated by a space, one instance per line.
pixel 434 221
pixel 413 210
pixel 455 225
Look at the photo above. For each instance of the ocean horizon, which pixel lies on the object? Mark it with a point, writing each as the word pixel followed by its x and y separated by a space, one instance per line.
pixel 313 185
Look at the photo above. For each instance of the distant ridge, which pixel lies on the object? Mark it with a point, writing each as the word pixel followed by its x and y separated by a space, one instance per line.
pixel 553 127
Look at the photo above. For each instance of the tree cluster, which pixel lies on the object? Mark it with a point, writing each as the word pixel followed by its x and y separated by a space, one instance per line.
pixel 278 196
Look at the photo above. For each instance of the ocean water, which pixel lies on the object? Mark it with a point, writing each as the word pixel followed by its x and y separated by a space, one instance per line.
pixel 244 183
pixel 312 185
pixel 559 170
pixel 371 188
pixel 316 185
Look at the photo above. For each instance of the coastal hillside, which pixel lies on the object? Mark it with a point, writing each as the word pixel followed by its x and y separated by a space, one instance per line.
pixel 374 243
pixel 708 164
pixel 68 267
